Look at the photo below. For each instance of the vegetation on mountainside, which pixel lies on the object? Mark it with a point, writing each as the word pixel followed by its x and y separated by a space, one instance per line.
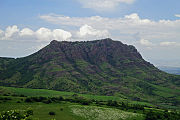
pixel 102 67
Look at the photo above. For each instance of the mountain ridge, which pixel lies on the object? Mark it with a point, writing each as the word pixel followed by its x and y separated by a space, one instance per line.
pixel 102 67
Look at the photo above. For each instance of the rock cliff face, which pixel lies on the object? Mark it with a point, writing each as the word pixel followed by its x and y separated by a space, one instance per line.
pixel 103 67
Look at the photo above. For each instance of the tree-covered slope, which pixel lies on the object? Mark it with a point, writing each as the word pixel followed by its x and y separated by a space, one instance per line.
pixel 103 67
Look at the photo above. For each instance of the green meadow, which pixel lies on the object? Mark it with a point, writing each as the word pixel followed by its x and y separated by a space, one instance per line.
pixel 57 105
pixel 53 93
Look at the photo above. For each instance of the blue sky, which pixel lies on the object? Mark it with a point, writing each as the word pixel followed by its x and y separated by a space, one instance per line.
pixel 26 12
pixel 153 26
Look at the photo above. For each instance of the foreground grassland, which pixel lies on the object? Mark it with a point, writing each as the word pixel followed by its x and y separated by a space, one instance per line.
pixel 50 105
pixel 69 111
pixel 102 113
pixel 41 110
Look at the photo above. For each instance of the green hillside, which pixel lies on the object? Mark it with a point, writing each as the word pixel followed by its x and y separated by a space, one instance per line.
pixel 101 67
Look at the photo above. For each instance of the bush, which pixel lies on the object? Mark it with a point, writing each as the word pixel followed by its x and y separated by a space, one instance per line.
pixel 22 95
pixel 112 103
pixel 61 98
pixel 29 112
pixel 52 113
pixel 15 115
pixel 18 102
pixel 5 94
pixel 85 102
pixel 14 95
pixel 54 99
pixel 154 115
pixel 38 99
pixel 29 100
pixel 47 101
pixel 35 99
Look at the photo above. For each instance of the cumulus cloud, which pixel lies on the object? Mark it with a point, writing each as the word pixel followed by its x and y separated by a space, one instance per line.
pixel 11 31
pixel 42 34
pixel 145 42
pixel 177 15
pixel 87 31
pixel 135 19
pixel 103 5
pixel 168 43
pixel 26 32
pixel 132 20
pixel 1 33
pixel 60 34
pixel 124 27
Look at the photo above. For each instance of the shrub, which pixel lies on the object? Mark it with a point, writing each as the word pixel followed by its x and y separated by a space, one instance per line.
pixel 154 115
pixel 15 115
pixel 5 95
pixel 6 98
pixel 15 95
pixel 29 112
pixel 29 100
pixel 52 113
pixel 35 99
pixel 85 102
pixel 54 99
pixel 112 103
pixel 22 96
pixel 61 98
pixel 47 101
pixel 18 102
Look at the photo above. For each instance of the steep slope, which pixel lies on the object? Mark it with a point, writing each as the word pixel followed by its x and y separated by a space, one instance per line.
pixel 4 62
pixel 103 67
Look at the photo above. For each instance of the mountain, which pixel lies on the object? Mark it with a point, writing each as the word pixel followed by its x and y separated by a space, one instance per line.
pixel 102 67
pixel 171 70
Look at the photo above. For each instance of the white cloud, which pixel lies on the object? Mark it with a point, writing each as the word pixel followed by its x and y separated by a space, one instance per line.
pixel 42 34
pixel 88 31
pixel 177 15
pixel 145 42
pixel 168 43
pixel 26 32
pixel 59 34
pixel 1 33
pixel 103 5
pixel 134 18
pixel 128 26
pixel 11 31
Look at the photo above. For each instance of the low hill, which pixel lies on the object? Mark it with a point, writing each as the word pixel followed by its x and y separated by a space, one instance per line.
pixel 101 67
pixel 171 70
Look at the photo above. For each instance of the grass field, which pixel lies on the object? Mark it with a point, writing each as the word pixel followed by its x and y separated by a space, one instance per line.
pixel 41 110
pixel 102 113
pixel 68 111
pixel 99 107
pixel 52 93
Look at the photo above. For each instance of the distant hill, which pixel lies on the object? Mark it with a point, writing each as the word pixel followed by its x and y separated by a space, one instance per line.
pixel 101 67
pixel 171 70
